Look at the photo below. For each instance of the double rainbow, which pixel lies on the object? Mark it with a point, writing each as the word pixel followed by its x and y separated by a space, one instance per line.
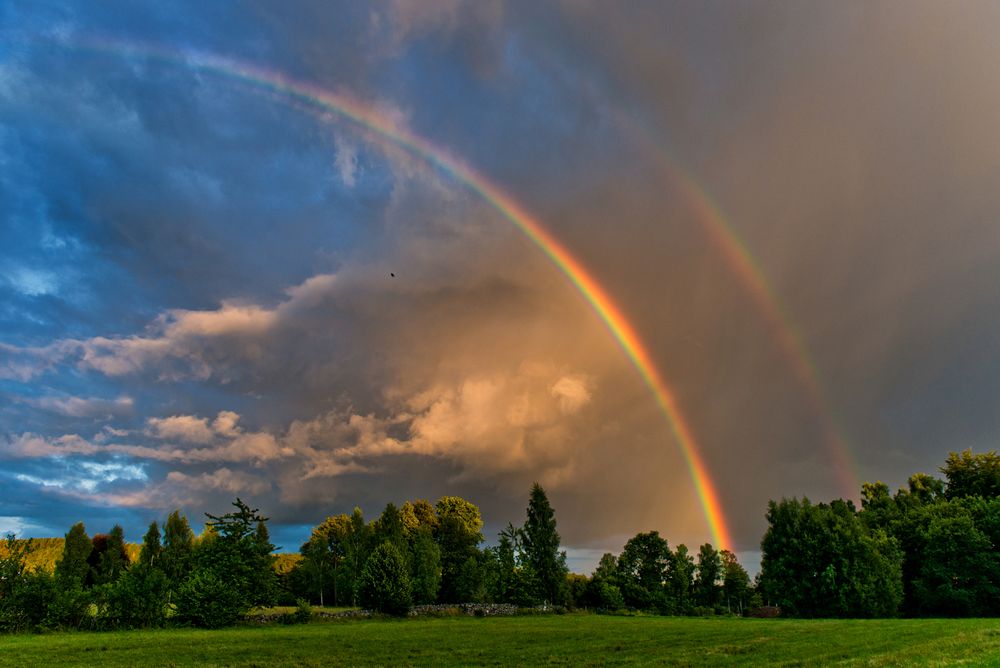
pixel 384 128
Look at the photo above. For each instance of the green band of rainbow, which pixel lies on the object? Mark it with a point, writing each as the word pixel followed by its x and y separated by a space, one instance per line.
pixel 369 117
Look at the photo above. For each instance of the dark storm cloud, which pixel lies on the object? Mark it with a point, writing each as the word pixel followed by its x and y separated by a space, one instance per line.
pixel 195 277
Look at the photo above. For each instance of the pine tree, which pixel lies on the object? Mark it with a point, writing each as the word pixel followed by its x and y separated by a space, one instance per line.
pixel 149 555
pixel 178 543
pixel 72 568
pixel 540 542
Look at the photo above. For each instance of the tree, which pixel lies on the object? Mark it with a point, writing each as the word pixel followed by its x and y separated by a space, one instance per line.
pixel 458 534
pixel 680 580
pixel 958 576
pixel 13 562
pixel 607 567
pixel 312 570
pixel 708 573
pixel 178 545
pixel 389 527
pixel 641 571
pixel 332 545
pixel 418 515
pixel 603 590
pixel 822 561
pixel 69 602
pixel 13 569
pixel 244 533
pixel 425 560
pixel 109 559
pixel 971 474
pixel 149 554
pixel 208 599
pixel 466 516
pixel 577 586
pixel 137 599
pixel 72 568
pixel 385 583
pixel 540 542
pixel 504 565
pixel 358 548
pixel 232 572
pixel 25 596
pixel 735 583
pixel 471 582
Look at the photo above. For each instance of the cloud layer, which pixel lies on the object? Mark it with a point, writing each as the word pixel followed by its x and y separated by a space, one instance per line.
pixel 209 289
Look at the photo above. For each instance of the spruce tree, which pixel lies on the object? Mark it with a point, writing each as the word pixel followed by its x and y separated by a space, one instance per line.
pixel 540 542
pixel 72 568
pixel 149 555
pixel 178 543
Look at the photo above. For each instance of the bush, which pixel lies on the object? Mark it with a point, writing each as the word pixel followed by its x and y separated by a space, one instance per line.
pixel 605 595
pixel 385 581
pixel 26 607
pixel 208 601
pixel 137 599
pixel 68 606
pixel 303 611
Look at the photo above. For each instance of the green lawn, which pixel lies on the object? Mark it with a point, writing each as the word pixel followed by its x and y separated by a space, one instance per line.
pixel 561 640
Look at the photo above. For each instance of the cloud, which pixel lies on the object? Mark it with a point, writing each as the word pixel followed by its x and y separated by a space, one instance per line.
pixel 84 406
pixel 20 526
pixel 572 392
pixel 517 422
pixel 346 161
pixel 183 438
pixel 32 282
pixel 186 428
pixel 85 477
pixel 220 480
pixel 223 260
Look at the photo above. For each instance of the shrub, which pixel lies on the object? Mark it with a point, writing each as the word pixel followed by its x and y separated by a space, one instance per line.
pixel 68 606
pixel 208 601
pixel 26 607
pixel 303 611
pixel 136 600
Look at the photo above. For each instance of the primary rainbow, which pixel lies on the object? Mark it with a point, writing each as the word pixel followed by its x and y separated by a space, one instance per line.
pixel 369 117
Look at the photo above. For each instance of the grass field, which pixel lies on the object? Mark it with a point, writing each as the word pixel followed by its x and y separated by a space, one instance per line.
pixel 555 640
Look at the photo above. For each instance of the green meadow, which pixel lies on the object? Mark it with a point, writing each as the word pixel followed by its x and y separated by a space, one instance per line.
pixel 575 639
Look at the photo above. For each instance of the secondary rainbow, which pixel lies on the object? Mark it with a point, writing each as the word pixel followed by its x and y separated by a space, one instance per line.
pixel 369 117
pixel 752 278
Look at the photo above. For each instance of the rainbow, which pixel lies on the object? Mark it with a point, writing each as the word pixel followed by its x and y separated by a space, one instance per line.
pixel 752 278
pixel 369 117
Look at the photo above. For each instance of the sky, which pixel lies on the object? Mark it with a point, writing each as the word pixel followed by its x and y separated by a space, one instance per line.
pixel 668 259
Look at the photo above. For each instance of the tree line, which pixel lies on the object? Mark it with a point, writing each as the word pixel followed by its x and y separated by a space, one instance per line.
pixel 928 549
pixel 210 580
